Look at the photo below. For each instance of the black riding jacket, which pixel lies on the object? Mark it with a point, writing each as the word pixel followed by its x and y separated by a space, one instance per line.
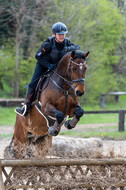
pixel 50 52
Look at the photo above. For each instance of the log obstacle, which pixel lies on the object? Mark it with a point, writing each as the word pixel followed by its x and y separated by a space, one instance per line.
pixel 55 174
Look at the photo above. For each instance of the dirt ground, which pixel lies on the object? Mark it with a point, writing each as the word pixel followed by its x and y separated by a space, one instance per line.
pixel 106 147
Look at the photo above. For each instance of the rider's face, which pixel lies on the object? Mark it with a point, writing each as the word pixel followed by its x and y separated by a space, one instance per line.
pixel 60 37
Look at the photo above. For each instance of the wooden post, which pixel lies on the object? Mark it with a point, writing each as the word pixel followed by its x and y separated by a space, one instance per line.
pixel 121 126
pixel 102 100
pixel 1 179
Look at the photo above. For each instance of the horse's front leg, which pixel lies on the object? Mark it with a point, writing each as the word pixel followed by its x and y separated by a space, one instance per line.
pixel 52 111
pixel 78 114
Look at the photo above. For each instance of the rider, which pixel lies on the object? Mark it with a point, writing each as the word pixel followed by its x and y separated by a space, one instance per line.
pixel 49 54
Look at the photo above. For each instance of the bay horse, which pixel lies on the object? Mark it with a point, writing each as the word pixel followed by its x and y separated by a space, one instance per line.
pixel 57 101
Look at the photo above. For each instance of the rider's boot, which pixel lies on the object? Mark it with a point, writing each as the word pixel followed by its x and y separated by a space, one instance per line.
pixel 24 110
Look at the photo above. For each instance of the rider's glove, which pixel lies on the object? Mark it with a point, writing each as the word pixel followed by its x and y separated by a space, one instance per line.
pixel 50 67
pixel 72 48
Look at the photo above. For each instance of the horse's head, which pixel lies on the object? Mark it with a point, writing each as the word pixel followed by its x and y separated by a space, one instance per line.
pixel 77 70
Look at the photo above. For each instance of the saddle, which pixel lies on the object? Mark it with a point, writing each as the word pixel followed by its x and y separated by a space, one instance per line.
pixel 34 97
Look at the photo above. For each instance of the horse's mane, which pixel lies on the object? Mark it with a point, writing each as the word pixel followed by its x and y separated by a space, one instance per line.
pixel 79 54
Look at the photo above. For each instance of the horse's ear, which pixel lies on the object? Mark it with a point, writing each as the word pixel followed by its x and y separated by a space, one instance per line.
pixel 86 54
pixel 73 54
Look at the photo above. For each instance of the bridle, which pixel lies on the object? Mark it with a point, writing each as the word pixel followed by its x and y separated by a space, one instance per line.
pixel 70 81
pixel 81 80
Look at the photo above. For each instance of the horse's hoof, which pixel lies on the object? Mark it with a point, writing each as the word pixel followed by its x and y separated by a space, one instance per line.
pixel 67 125
pixel 52 132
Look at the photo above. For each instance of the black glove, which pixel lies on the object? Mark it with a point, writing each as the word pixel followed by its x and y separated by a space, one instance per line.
pixel 72 48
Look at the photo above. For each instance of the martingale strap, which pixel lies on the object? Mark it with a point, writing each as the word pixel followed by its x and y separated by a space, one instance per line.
pixel 66 101
pixel 65 91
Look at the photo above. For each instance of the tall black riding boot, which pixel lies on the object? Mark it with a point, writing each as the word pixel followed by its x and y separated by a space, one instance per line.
pixel 24 110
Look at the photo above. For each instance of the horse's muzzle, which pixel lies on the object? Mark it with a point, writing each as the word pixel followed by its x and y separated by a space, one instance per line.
pixel 78 93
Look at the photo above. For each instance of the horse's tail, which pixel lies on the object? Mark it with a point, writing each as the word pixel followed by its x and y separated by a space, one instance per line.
pixel 12 140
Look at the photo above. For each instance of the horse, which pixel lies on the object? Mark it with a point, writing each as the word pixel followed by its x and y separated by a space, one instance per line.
pixel 58 101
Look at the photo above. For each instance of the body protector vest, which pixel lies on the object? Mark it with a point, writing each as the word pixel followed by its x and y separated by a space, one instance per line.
pixel 56 54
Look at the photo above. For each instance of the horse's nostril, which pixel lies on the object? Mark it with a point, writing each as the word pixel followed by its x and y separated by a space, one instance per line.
pixel 78 93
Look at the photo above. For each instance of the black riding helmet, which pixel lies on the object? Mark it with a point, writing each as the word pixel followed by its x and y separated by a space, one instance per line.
pixel 59 28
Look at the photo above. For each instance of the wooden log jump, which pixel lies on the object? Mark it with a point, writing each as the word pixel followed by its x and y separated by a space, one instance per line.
pixel 63 174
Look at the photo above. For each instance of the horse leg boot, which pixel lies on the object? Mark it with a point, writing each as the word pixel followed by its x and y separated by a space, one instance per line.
pixel 70 124
pixel 24 110
pixel 55 129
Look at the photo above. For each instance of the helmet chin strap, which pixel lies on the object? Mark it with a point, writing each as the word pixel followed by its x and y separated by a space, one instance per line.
pixel 58 40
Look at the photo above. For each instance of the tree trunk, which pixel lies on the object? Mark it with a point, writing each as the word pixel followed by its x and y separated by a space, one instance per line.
pixel 16 80
pixel 1 85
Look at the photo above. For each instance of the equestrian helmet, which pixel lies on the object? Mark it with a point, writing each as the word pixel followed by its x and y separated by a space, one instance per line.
pixel 59 28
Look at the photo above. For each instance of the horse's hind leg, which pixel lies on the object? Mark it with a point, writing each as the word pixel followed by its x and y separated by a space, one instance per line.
pixel 41 146
pixel 9 151
pixel 70 124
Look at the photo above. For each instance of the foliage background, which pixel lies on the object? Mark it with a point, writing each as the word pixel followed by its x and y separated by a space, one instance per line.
pixel 98 26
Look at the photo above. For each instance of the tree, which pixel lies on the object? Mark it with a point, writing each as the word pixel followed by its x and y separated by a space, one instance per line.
pixel 6 69
pixel 97 26
pixel 23 16
pixel 120 68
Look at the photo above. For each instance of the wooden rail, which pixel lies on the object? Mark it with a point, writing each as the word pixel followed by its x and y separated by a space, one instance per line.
pixel 62 162
pixel 121 123
pixel 116 94
pixel 63 174
pixel 8 102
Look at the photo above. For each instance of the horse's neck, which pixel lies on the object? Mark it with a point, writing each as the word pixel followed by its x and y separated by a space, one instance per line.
pixel 63 65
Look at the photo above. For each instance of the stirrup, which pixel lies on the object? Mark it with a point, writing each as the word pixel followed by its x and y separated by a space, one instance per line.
pixel 25 112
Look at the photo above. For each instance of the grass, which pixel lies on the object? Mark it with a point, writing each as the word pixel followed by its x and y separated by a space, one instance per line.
pixel 6 135
pixel 8 117
pixel 105 135
pixel 99 118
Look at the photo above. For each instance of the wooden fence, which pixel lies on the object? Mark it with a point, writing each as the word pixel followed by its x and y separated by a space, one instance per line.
pixel 56 174
pixel 121 122
pixel 9 102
